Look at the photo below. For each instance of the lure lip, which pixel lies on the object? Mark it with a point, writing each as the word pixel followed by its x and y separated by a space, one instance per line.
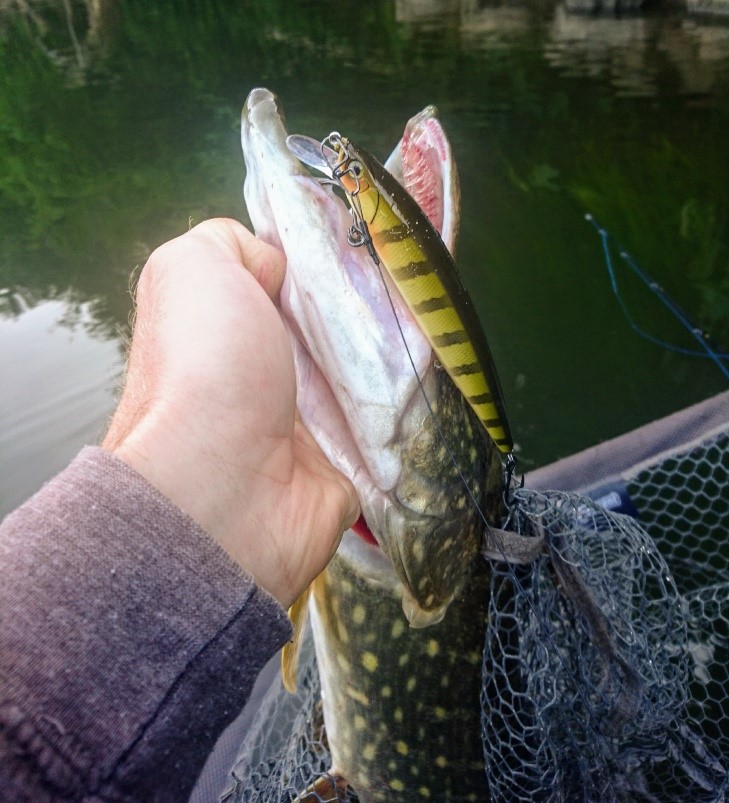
pixel 312 153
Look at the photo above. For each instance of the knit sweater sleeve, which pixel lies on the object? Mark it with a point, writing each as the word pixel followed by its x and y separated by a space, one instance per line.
pixel 128 640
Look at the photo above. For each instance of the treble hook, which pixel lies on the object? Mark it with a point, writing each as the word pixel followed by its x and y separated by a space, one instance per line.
pixel 358 233
pixel 337 144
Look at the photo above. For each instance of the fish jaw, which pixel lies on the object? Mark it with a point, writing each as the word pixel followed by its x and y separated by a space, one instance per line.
pixel 331 297
pixel 424 151
pixel 357 391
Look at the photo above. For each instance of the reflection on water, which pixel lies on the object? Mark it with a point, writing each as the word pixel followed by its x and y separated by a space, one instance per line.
pixel 614 47
pixel 629 51
pixel 626 49
pixel 59 382
pixel 115 142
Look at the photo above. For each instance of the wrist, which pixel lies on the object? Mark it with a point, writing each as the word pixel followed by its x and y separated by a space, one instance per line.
pixel 166 456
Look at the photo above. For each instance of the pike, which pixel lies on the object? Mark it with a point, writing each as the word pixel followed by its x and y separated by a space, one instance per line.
pixel 398 616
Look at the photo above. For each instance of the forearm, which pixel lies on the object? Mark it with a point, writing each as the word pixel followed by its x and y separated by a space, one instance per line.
pixel 128 640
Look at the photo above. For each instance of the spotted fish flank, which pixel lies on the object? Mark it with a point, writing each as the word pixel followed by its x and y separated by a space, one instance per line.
pixel 407 729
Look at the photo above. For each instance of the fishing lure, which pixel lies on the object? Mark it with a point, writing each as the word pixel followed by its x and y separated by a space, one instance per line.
pixel 398 235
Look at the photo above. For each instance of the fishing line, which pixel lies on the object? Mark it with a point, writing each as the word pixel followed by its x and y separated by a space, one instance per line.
pixel 359 235
pixel 706 351
pixel 613 655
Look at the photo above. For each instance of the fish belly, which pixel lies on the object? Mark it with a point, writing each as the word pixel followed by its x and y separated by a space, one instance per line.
pixel 401 705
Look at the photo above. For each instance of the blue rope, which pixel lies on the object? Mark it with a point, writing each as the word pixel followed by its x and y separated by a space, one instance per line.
pixel 706 350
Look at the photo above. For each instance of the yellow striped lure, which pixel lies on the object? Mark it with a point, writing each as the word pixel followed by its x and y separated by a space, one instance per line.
pixel 399 236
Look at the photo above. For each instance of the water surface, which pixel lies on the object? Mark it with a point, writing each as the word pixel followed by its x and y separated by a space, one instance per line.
pixel 111 147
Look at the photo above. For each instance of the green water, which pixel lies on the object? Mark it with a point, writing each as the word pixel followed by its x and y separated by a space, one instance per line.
pixel 109 149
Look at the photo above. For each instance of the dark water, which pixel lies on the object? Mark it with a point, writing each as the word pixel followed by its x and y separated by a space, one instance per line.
pixel 112 145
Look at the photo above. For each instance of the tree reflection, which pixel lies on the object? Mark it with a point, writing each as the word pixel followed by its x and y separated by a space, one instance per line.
pixel 118 123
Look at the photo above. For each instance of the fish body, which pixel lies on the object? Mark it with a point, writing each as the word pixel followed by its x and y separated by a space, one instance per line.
pixel 398 626
pixel 401 704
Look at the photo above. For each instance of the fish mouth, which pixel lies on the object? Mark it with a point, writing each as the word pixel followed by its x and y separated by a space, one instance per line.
pixel 361 393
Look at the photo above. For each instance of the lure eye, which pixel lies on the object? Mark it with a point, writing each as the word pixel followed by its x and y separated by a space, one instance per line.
pixel 356 168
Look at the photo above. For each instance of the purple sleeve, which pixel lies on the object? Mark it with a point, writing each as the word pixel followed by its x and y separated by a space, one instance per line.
pixel 128 640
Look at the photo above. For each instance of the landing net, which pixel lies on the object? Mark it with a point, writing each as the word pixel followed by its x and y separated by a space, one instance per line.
pixel 605 661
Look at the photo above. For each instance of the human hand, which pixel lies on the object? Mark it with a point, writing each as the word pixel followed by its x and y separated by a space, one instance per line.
pixel 208 412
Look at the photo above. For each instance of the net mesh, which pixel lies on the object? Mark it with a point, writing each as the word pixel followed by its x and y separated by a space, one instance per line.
pixel 604 664
pixel 683 502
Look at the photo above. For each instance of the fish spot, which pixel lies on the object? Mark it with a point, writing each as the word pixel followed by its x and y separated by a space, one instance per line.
pixel 445 681
pixel 346 586
pixel 430 599
pixel 360 723
pixel 410 685
pixel 357 695
pixel 414 769
pixel 358 614
pixel 386 691
pixel 398 628
pixel 432 648
pixel 424 792
pixel 369 751
pixel 344 664
pixel 342 631
pixel 421 733
pixel 441 761
pixel 369 661
pixel 392 765
pixel 403 659
pixel 474 657
pixel 397 715
pixel 473 454
pixel 402 748
pixel 397 785
pixel 418 552
pixel 439 712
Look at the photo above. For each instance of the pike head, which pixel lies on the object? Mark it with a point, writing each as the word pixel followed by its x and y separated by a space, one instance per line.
pixel 385 413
